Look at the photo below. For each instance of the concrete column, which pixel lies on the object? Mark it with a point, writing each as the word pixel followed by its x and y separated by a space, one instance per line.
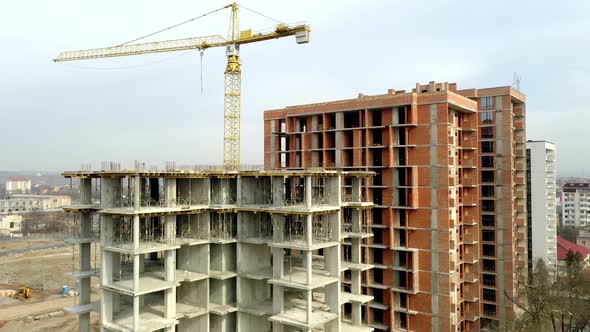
pixel 356 314
pixel 278 190
pixel 137 193
pixel 170 294
pixel 116 264
pixel 308 307
pixel 308 192
pixel 106 306
pixel 170 192
pixel 136 313
pixel 135 273
pixel 356 189
pixel 85 233
pixel 239 184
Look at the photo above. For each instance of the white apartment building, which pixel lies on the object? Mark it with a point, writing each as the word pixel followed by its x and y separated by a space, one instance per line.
pixel 541 201
pixel 576 204
pixel 18 186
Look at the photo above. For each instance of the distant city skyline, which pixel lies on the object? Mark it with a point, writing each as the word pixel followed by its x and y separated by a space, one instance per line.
pixel 57 116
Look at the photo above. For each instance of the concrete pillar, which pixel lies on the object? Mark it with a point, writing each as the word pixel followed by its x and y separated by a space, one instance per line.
pixel 239 184
pixel 136 313
pixel 85 233
pixel 278 190
pixel 135 273
pixel 308 306
pixel 308 192
pixel 356 189
pixel 137 193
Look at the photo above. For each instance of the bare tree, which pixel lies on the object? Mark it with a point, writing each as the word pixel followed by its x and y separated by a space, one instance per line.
pixel 557 300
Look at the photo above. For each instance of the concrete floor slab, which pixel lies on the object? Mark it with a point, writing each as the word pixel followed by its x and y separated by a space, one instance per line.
pixel 258 309
pixel 348 327
pixel 302 245
pixel 221 275
pixel 298 318
pixel 147 284
pixel 259 274
pixel 149 320
pixel 346 297
pixel 221 309
pixel 298 280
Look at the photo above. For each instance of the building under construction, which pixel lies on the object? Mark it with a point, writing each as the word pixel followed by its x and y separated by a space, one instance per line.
pixel 449 224
pixel 191 250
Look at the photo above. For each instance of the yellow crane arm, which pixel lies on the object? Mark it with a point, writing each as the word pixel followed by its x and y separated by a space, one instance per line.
pixel 143 48
pixel 200 43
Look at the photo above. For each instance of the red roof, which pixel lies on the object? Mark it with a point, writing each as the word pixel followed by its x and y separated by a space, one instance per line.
pixel 18 179
pixel 564 246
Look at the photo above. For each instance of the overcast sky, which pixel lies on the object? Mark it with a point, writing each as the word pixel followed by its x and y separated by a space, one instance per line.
pixel 150 108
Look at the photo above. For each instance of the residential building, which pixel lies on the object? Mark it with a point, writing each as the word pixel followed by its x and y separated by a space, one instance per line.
pixel 449 223
pixel 11 225
pixel 576 204
pixel 247 251
pixel 16 185
pixel 22 203
pixel 564 247
pixel 583 239
pixel 541 203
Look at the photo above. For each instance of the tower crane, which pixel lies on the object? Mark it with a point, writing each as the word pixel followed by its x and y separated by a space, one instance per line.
pixel 233 71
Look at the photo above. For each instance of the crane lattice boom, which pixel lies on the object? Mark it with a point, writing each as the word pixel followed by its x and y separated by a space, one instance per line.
pixel 233 72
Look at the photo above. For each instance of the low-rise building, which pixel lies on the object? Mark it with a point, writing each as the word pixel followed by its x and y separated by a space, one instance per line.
pixel 21 203
pixel 583 239
pixel 10 225
pixel 564 247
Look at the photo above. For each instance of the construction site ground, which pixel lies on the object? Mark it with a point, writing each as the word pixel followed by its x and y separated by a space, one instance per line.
pixel 40 264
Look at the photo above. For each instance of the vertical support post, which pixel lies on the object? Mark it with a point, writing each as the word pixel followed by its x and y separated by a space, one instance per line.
pixel 85 233
pixel 308 192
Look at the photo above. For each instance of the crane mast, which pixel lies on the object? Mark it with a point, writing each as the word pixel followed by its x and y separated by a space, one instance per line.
pixel 232 95
pixel 233 70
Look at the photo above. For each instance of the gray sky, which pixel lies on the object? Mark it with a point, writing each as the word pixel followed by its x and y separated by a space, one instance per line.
pixel 56 116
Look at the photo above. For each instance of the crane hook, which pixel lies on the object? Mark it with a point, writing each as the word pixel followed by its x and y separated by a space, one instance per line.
pixel 202 53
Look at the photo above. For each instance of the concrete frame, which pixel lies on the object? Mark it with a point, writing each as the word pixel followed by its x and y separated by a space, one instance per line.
pixel 218 251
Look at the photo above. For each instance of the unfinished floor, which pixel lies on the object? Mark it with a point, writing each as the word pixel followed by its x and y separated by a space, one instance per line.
pixel 228 251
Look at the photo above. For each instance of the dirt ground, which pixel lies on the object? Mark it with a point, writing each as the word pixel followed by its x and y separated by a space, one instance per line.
pixel 42 270
pixel 18 244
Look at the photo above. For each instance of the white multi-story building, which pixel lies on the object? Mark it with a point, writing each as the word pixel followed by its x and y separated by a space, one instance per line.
pixel 18 186
pixel 576 204
pixel 541 200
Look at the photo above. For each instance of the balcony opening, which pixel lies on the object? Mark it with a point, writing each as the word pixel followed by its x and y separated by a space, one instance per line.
pixel 487 191
pixel 489 280
pixel 487 161
pixel 488 235
pixel 376 117
pixel 488 220
pixel 489 309
pixel 487 206
pixel 489 250
pixel 487 132
pixel 351 119
pixel 487 147
pixel 489 265
pixel 489 295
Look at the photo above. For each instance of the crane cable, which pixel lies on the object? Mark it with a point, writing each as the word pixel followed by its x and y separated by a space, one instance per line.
pixel 255 12
pixel 171 27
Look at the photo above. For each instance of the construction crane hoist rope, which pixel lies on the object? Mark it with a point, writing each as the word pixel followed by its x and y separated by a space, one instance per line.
pixel 233 71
